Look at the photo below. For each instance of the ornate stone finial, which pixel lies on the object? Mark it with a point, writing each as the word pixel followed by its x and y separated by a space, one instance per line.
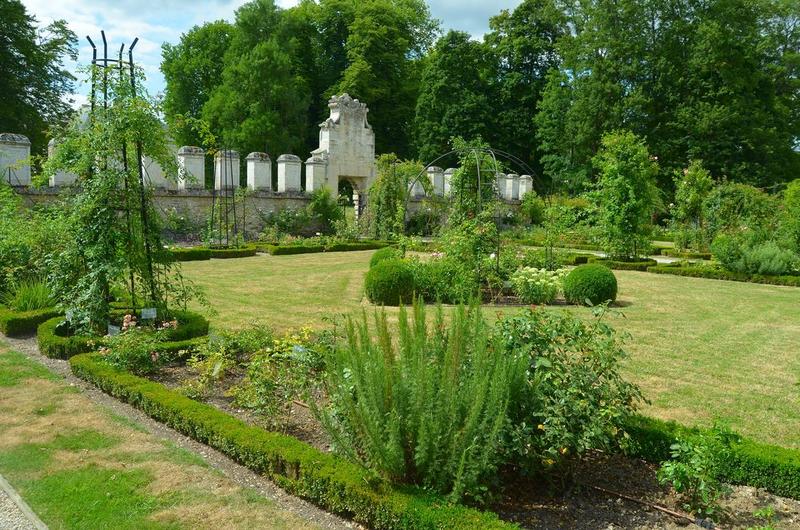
pixel 15 139
pixel 345 105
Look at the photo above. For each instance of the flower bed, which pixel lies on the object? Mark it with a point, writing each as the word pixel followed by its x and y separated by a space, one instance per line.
pixel 325 479
pixel 19 323
pixel 55 344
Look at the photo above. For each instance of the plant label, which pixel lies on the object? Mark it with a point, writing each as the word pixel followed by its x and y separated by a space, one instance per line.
pixel 113 330
pixel 148 313
pixel 69 315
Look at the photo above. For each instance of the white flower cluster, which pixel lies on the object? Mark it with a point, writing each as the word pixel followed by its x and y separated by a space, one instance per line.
pixel 537 286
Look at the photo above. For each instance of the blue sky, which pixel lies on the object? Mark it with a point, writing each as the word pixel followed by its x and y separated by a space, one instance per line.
pixel 158 21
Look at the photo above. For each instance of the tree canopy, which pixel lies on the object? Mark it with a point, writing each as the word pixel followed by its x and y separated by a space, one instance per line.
pixel 34 80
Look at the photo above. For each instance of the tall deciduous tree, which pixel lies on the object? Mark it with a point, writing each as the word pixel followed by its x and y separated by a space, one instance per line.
pixel 523 42
pixel 261 104
pixel 383 44
pixel 626 193
pixel 715 81
pixel 34 82
pixel 454 98
pixel 193 70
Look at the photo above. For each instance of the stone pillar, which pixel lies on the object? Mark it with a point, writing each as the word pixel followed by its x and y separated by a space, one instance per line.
pixel 512 187
pixel 448 179
pixel 191 168
pixel 417 189
pixel 500 185
pixel 154 174
pixel 525 185
pixel 436 176
pixel 15 150
pixel 317 174
pixel 226 170
pixel 288 173
pixel 61 178
pixel 259 171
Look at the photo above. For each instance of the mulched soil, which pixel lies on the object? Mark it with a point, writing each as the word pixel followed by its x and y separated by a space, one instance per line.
pixel 590 502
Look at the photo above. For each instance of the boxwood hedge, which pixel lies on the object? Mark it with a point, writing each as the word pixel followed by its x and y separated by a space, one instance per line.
pixel 640 265
pixel 285 250
pixel 325 479
pixel 191 254
pixel 20 323
pixel 721 274
pixel 186 337
pixel 749 463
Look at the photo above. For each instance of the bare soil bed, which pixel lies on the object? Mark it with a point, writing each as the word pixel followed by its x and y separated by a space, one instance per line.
pixel 608 491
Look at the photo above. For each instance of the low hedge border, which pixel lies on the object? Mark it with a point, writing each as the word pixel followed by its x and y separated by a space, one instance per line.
pixel 190 254
pixel 20 323
pixel 676 253
pixel 205 253
pixel 186 337
pixel 325 479
pixel 721 274
pixel 286 250
pixel 576 259
pixel 640 265
pixel 750 463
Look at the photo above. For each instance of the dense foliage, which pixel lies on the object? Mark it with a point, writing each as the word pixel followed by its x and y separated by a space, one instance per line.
pixel 430 409
pixel 35 83
pixel 390 282
pixel 592 282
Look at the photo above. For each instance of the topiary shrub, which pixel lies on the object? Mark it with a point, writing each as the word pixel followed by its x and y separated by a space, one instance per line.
pixel 384 254
pixel 390 282
pixel 592 282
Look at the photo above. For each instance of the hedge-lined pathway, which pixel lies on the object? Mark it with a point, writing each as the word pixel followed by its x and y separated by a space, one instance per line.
pixel 62 434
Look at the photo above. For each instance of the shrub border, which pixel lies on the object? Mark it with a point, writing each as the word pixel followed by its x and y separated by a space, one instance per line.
pixel 185 338
pixel 325 479
pixel 286 250
pixel 640 265
pixel 20 323
pixel 719 274
pixel 750 463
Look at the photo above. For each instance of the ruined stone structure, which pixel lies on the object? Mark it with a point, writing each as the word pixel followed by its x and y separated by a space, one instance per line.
pixel 346 148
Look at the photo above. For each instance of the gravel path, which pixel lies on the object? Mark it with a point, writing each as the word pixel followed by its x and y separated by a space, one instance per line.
pixel 237 473
pixel 12 516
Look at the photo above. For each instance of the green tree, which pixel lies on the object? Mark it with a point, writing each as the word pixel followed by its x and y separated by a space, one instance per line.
pixel 626 193
pixel 34 82
pixel 523 44
pixel 386 207
pixel 454 98
pixel 692 186
pixel 193 70
pixel 261 104
pixel 716 81
pixel 791 215
pixel 384 44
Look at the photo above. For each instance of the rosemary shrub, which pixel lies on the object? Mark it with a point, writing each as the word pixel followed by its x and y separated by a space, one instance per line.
pixel 428 408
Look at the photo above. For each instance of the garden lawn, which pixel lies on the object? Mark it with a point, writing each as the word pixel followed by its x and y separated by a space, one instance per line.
pixel 79 466
pixel 702 350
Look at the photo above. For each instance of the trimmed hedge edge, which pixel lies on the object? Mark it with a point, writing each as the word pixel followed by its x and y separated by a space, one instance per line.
pixel 640 265
pixel 20 323
pixel 750 463
pixel 719 274
pixel 286 250
pixel 186 338
pixel 325 479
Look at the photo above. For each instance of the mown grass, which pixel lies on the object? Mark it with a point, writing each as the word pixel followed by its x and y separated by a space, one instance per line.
pixel 79 466
pixel 702 350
